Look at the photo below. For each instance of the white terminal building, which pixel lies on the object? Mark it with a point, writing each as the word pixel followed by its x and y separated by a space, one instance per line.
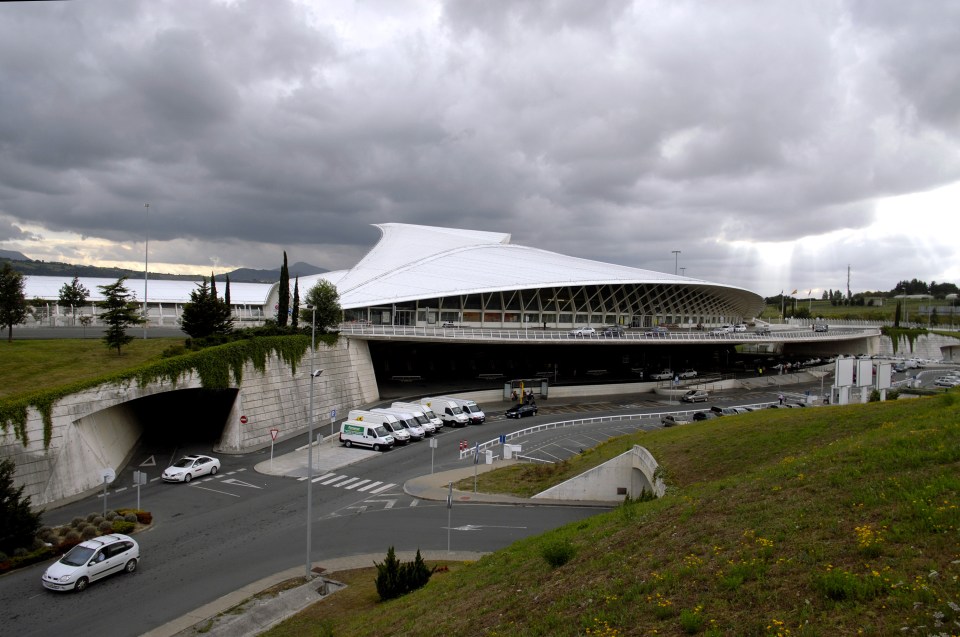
pixel 424 276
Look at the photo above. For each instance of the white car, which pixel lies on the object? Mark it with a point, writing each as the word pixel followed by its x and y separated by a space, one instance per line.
pixel 583 331
pixel 189 467
pixel 662 375
pixel 740 327
pixel 725 329
pixel 688 373
pixel 947 381
pixel 92 560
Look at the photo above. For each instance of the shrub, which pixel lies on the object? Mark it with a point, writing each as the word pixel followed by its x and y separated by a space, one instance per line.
pixel 78 523
pixel 558 553
pixel 3 557
pixel 122 526
pixel 20 552
pixel 395 578
pixel 130 517
pixel 97 519
pixel 89 532
pixel 72 536
pixel 106 526
pixel 110 515
pixel 92 516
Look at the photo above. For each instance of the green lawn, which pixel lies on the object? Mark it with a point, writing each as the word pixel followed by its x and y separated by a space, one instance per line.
pixel 30 365
pixel 816 522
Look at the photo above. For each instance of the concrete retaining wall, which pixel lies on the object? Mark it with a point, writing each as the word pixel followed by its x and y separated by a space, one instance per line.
pixel 930 346
pixel 632 472
pixel 96 429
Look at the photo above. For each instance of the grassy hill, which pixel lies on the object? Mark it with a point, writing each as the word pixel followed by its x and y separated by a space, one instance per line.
pixel 816 522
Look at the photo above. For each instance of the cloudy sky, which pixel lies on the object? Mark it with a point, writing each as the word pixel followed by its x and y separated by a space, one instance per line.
pixel 773 143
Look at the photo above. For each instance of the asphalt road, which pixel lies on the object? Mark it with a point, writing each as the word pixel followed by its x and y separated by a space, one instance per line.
pixel 215 535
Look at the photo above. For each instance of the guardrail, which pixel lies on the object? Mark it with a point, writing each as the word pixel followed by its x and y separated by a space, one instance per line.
pixel 560 336
pixel 483 446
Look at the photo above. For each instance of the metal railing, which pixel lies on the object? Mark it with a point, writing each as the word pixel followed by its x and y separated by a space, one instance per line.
pixel 483 446
pixel 561 336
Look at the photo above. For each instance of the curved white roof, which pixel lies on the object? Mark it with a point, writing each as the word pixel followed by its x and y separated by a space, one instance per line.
pixel 421 262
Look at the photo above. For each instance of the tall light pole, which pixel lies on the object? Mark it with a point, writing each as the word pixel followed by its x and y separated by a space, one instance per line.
pixel 146 268
pixel 676 260
pixel 314 373
pixel 682 271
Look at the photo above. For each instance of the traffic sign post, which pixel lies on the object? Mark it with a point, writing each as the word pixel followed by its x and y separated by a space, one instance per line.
pixel 139 478
pixel 333 417
pixel 476 461
pixel 108 475
pixel 449 508
pixel 273 439
pixel 433 448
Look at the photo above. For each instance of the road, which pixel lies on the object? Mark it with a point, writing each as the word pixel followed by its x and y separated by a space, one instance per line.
pixel 214 535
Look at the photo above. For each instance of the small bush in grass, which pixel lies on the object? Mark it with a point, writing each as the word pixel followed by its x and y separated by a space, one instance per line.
pixel 20 552
pixel 89 532
pixel 122 526
pixel 130 517
pixel 395 578
pixel 92 516
pixel 691 621
pixel 72 536
pixel 3 557
pixel 558 553
pixel 78 523
pixel 97 519
pixel 110 515
pixel 105 527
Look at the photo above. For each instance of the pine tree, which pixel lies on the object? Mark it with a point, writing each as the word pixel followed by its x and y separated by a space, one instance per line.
pixel 18 524
pixel 120 312
pixel 388 577
pixel 205 314
pixel 13 300
pixel 283 303
pixel 74 294
pixel 213 285
pixel 226 292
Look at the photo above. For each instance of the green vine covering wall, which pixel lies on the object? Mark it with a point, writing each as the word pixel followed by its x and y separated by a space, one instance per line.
pixel 215 366
pixel 896 333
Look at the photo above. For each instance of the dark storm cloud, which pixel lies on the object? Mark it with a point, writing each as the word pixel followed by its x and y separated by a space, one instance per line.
pixel 609 130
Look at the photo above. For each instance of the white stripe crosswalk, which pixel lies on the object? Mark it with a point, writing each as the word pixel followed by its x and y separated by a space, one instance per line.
pixel 346 482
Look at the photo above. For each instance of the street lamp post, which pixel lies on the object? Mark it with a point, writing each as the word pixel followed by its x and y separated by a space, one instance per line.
pixel 146 268
pixel 314 373
pixel 676 260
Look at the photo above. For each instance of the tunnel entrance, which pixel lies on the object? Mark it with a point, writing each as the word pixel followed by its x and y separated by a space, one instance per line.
pixel 185 417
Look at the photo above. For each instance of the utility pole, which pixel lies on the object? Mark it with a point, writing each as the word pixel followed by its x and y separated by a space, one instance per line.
pixel 849 296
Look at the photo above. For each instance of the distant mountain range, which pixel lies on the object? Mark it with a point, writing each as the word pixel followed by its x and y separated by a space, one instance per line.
pixel 29 267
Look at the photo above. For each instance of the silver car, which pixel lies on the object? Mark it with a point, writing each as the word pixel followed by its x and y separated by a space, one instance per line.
pixel 92 560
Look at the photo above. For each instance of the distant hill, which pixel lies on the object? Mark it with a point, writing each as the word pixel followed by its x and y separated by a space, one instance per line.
pixel 12 255
pixel 29 267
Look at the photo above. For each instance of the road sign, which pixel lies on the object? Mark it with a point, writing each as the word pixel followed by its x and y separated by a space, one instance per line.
pixel 333 414
pixel 463 445
pixel 503 439
pixel 107 475
pixel 243 420
pixel 273 433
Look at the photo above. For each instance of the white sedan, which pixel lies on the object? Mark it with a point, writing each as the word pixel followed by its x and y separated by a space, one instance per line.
pixel 583 331
pixel 189 467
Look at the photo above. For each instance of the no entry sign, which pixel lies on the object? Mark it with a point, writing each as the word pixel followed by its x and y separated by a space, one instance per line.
pixel 243 420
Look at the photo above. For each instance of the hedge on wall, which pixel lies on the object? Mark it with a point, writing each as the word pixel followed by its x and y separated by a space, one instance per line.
pixel 216 367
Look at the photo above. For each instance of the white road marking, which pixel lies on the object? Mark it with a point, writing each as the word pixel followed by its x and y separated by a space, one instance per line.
pixel 347 481
pixel 357 484
pixel 383 488
pixel 215 491
pixel 333 480
pixel 389 503
pixel 240 483
pixel 369 486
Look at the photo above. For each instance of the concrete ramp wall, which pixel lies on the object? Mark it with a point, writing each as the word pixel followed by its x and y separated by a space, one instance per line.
pixel 97 428
pixel 631 473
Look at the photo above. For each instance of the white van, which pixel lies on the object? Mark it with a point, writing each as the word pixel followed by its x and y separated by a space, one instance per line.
pixel 416 412
pixel 426 411
pixel 406 419
pixel 391 423
pixel 470 408
pixel 355 432
pixel 449 411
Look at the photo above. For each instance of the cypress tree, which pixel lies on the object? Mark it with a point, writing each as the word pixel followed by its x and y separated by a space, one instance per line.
pixel 283 304
pixel 226 291
pixel 295 315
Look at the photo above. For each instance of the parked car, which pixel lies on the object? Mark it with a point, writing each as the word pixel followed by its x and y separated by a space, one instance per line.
pixel 92 560
pixel 720 331
pixel 448 324
pixel 763 330
pixel 657 331
pixel 820 327
pixel 519 411
pixel 614 331
pixel 739 327
pixel 665 374
pixel 580 332
pixel 695 396
pixel 688 373
pixel 189 467
pixel 703 415
pixel 946 381
pixel 670 420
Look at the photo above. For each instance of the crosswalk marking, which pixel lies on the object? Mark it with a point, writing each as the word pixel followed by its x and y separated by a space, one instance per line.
pixel 369 486
pixel 326 482
pixel 323 477
pixel 347 481
pixel 357 484
pixel 383 488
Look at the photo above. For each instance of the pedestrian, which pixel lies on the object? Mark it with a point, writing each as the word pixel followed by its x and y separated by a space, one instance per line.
pixel 781 398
